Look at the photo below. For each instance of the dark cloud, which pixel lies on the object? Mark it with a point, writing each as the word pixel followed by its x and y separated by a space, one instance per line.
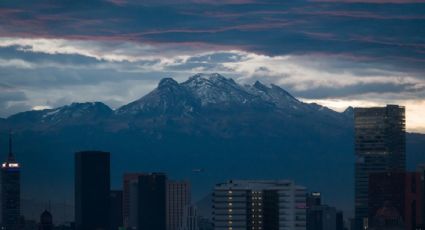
pixel 12 100
pixel 372 29
pixel 117 50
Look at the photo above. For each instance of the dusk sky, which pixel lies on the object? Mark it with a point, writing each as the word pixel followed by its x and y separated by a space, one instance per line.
pixel 334 52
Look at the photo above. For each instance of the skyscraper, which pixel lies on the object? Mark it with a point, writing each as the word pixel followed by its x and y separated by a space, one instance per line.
pixel 320 216
pixel 92 190
pixel 259 205
pixel 314 199
pixel 379 147
pixel 10 191
pixel 178 198
pixel 152 201
pixel 115 208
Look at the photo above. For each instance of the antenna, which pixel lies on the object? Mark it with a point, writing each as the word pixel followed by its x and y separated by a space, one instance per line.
pixel 10 143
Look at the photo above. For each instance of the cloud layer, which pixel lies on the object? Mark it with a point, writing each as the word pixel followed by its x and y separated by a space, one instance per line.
pixel 334 52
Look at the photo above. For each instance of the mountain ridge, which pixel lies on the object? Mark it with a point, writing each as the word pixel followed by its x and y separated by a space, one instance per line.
pixel 199 90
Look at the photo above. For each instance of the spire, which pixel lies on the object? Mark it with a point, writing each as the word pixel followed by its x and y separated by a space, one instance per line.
pixel 10 144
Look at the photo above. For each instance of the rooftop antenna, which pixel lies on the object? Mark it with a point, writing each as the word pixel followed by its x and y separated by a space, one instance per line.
pixel 10 144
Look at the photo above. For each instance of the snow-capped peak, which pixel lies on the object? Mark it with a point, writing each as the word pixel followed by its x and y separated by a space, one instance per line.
pixel 214 88
pixel 167 82
pixel 75 110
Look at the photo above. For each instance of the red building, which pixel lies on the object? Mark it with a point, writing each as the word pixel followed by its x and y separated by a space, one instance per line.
pixel 397 191
pixel 414 200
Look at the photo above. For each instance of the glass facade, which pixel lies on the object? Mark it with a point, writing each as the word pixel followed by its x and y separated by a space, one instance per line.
pixel 379 147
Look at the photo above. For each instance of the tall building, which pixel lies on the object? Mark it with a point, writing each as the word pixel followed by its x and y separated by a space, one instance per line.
pixel 339 220
pixel 178 198
pixel 92 190
pixel 130 202
pixel 152 201
pixel 10 191
pixel 320 216
pixel 413 201
pixel 259 205
pixel 313 199
pixel 379 147
pixel 115 209
pixel 140 187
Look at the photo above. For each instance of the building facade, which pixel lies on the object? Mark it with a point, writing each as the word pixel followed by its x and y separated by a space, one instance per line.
pixel 130 202
pixel 92 190
pixel 152 201
pixel 259 205
pixel 379 147
pixel 178 198
pixel 10 191
pixel 322 217
pixel 115 209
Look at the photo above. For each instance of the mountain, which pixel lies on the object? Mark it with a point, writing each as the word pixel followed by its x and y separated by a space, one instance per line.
pixel 208 122
pixel 73 114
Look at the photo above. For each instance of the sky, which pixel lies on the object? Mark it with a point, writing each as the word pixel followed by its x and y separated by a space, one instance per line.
pixel 338 53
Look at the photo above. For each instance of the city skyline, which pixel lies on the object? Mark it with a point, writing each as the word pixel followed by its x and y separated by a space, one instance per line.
pixel 212 115
pixel 380 133
pixel 142 154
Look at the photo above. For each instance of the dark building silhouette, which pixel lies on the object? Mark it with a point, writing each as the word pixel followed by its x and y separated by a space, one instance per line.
pixel 92 190
pixel 320 216
pixel 46 221
pixel 313 199
pixel 414 208
pixel 421 171
pixel 379 147
pixel 205 224
pixel 10 191
pixel 395 200
pixel 151 201
pixel 115 207
pixel 339 220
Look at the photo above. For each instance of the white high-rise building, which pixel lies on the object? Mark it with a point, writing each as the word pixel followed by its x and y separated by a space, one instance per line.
pixel 259 205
